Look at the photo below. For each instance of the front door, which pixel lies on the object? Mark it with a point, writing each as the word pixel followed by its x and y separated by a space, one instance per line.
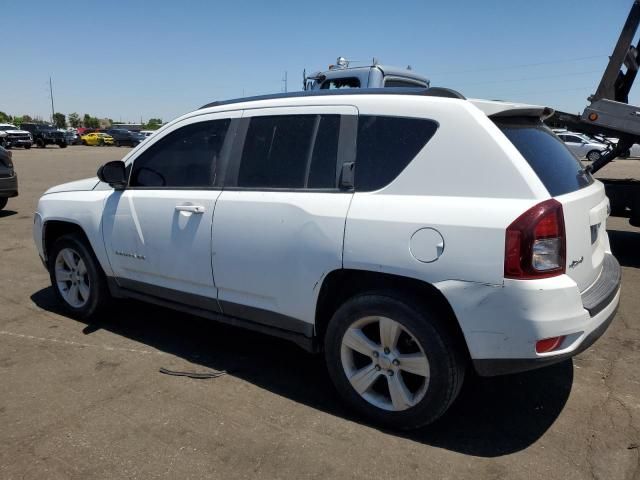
pixel 158 231
pixel 279 223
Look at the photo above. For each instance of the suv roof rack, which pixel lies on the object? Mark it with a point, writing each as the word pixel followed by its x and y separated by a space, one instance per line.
pixel 425 92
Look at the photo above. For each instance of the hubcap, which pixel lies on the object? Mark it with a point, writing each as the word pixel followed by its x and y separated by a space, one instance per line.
pixel 384 363
pixel 72 278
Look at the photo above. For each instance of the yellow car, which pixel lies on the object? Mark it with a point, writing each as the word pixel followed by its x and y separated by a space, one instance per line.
pixel 97 138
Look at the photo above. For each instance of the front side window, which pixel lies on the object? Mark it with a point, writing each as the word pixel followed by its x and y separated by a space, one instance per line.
pixel 386 145
pixel 186 157
pixel 290 151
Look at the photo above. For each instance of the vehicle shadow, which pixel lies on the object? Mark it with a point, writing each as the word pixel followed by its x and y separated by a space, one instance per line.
pixel 492 416
pixel 7 213
pixel 624 246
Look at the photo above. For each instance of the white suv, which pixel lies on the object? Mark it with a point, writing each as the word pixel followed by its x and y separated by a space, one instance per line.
pixel 353 223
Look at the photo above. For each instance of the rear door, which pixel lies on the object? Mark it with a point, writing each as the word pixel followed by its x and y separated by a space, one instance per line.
pixel 279 223
pixel 583 199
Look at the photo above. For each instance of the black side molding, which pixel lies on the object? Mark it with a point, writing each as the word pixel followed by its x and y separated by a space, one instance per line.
pixel 263 321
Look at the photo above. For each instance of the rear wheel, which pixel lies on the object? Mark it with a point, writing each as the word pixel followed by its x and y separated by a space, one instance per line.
pixel 593 155
pixel 27 146
pixel 76 277
pixel 40 143
pixel 393 361
pixel 3 202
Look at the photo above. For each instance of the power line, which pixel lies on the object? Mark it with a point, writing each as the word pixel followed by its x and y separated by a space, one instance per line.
pixel 523 65
pixel 534 78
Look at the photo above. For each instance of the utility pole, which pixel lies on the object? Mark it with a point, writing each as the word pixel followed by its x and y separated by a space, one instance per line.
pixel 285 81
pixel 51 92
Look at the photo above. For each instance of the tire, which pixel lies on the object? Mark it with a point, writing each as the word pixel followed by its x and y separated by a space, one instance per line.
pixel 101 143
pixel 84 142
pixel 40 143
pixel 3 202
pixel 118 143
pixel 62 145
pixel 593 155
pixel 27 147
pixel 91 292
pixel 435 350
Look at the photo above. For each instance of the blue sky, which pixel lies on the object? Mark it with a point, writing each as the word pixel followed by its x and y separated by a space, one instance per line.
pixel 131 59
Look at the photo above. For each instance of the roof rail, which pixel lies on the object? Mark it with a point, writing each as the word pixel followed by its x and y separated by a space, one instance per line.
pixel 425 92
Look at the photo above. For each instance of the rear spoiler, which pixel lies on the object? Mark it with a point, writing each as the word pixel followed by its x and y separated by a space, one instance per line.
pixel 539 112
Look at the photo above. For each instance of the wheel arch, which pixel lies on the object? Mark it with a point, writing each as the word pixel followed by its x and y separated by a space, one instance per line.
pixel 54 229
pixel 342 284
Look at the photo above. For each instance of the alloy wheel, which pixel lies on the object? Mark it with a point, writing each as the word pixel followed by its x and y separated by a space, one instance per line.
pixel 72 278
pixel 384 363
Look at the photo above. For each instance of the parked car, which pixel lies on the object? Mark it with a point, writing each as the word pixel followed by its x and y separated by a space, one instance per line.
pixel 123 137
pixel 147 133
pixel 97 139
pixel 8 178
pixel 583 146
pixel 71 137
pixel 12 136
pixel 44 135
pixel 357 224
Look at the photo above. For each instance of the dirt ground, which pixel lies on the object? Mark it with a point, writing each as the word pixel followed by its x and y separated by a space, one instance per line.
pixel 83 401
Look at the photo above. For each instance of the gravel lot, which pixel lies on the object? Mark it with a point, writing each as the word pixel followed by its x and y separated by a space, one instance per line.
pixel 87 401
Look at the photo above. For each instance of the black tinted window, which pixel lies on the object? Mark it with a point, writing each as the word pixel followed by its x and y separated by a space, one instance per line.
pixel 290 151
pixel 338 83
pixel 555 165
pixel 386 145
pixel 184 158
pixel 396 82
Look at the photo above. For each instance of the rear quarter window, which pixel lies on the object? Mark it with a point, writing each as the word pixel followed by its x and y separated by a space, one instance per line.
pixel 386 145
pixel 557 168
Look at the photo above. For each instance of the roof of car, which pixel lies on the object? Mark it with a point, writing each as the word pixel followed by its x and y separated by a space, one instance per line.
pixel 428 92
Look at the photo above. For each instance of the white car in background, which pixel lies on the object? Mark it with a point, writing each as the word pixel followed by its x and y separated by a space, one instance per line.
pixel 147 133
pixel 582 146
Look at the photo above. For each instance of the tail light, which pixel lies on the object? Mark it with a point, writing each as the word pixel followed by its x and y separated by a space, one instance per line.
pixel 535 243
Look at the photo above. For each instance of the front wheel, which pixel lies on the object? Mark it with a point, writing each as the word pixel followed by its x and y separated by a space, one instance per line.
pixel 27 146
pixel 77 278
pixel 393 361
pixel 593 155
pixel 40 143
pixel 62 145
pixel 3 202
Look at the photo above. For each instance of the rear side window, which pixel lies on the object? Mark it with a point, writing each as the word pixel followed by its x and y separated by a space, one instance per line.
pixel 337 83
pixel 186 157
pixel 398 82
pixel 558 169
pixel 386 145
pixel 290 151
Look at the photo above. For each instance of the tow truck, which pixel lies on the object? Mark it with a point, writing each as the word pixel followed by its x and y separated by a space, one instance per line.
pixel 609 116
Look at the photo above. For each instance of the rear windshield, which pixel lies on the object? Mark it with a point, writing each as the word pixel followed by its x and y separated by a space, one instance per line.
pixel 558 169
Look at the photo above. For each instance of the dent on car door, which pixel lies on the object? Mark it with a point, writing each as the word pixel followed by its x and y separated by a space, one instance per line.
pixel 279 223
pixel 158 230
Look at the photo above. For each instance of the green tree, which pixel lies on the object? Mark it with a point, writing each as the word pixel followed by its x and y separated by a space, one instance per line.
pixel 60 120
pixel 74 120
pixel 152 124
pixel 90 122
pixel 5 118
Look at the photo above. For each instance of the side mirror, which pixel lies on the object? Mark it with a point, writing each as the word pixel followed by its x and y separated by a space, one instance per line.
pixel 114 173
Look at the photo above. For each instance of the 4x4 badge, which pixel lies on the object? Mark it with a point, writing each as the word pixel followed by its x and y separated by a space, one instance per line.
pixel 575 263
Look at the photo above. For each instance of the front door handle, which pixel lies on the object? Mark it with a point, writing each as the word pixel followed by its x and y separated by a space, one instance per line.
pixel 190 208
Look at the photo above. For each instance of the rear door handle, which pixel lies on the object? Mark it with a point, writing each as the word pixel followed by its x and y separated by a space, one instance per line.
pixel 190 208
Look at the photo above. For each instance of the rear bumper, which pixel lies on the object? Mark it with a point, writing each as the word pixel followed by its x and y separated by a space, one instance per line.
pixel 501 325
pixel 9 186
